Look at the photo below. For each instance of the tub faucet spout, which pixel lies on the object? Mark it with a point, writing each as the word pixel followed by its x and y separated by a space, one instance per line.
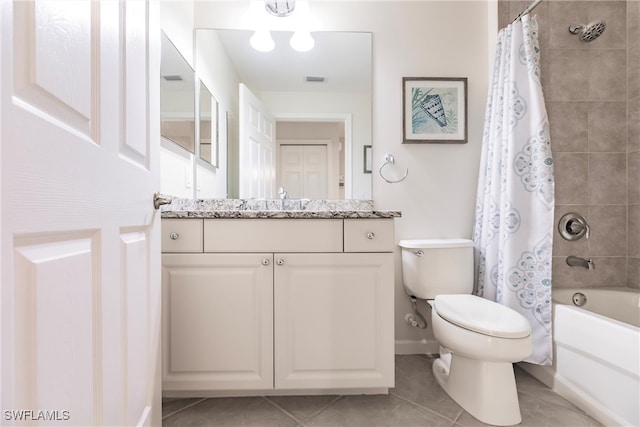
pixel 575 261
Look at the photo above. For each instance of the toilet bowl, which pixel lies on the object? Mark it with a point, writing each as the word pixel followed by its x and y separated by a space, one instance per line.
pixel 480 339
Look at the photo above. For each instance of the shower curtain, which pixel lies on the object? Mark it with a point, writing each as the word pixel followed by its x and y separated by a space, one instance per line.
pixel 513 228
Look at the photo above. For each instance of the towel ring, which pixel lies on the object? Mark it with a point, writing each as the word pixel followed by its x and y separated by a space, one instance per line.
pixel 389 160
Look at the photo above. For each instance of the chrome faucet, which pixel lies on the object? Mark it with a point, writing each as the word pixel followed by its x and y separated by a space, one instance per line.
pixel 283 195
pixel 575 261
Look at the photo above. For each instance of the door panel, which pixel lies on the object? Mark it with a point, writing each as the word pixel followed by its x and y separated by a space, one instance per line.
pixel 80 247
pixel 257 148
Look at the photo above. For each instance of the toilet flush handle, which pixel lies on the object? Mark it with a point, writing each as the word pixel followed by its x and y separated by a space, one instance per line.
pixel 419 252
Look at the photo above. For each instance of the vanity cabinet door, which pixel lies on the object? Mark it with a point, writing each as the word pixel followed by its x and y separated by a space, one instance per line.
pixel 333 320
pixel 217 321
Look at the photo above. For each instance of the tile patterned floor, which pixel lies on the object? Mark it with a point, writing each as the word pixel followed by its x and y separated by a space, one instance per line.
pixel 417 400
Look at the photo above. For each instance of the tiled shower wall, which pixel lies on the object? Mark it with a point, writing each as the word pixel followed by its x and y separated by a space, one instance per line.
pixel 587 89
pixel 633 141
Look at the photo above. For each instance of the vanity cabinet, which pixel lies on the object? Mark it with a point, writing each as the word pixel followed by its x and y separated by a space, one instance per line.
pixel 278 304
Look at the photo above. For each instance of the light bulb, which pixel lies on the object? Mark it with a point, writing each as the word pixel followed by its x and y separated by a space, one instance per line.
pixel 261 41
pixel 302 41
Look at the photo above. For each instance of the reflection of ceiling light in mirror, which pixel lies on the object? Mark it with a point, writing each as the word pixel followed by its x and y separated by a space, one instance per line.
pixel 261 41
pixel 302 41
pixel 280 8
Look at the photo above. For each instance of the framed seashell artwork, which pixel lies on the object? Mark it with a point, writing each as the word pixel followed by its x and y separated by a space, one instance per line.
pixel 434 110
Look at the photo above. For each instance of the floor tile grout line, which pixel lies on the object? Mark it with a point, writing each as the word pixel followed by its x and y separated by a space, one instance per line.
pixel 417 405
pixel 322 409
pixel 183 408
pixel 287 413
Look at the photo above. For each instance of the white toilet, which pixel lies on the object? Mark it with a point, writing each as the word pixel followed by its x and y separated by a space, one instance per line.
pixel 479 339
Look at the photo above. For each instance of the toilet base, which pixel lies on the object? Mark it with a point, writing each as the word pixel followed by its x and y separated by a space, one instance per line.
pixel 486 390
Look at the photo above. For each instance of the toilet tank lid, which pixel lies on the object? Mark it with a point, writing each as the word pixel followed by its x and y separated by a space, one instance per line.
pixel 435 243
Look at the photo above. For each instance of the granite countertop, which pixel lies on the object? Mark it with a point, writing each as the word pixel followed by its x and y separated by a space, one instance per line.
pixel 279 214
pixel 273 208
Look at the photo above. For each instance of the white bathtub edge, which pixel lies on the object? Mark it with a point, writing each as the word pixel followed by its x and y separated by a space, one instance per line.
pixel 582 401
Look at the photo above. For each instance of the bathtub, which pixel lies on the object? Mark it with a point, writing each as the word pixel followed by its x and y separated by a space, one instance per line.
pixel 596 353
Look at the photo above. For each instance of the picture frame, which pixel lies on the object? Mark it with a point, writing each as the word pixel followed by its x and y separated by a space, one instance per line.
pixel 368 158
pixel 434 110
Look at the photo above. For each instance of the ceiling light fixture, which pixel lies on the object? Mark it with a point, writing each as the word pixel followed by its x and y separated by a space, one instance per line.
pixel 280 8
pixel 261 41
pixel 302 41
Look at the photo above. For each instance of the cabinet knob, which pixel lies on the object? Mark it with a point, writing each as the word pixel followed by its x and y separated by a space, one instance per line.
pixel 265 262
pixel 371 235
pixel 174 236
pixel 280 261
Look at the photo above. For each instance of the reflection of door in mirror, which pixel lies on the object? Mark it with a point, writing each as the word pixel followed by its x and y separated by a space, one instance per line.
pixel 302 170
pixel 208 126
pixel 176 97
pixel 257 148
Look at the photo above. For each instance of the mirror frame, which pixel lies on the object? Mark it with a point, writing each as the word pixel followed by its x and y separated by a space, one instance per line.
pixel 208 135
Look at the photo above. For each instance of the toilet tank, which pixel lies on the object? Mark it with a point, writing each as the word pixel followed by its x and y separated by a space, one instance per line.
pixel 433 267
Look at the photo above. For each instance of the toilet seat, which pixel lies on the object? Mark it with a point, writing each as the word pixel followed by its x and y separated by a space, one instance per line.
pixel 481 315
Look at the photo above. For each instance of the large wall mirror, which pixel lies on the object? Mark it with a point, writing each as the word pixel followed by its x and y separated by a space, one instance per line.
pixel 208 126
pixel 312 109
pixel 177 98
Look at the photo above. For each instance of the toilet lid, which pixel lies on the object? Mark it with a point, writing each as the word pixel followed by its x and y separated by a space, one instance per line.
pixel 483 316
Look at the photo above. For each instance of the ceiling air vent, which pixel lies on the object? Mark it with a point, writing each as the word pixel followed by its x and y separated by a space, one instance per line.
pixel 172 77
pixel 315 79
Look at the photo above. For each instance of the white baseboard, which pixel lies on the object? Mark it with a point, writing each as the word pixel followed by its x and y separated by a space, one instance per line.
pixel 417 347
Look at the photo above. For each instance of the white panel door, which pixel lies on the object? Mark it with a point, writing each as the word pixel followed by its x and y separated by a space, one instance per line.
pixel 333 321
pixel 303 171
pixel 257 148
pixel 80 253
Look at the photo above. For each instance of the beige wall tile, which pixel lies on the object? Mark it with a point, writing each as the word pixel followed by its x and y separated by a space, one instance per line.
pixel 563 14
pixel 608 230
pixel 633 22
pixel 633 163
pixel 633 125
pixel 607 75
pixel 568 121
pixel 607 130
pixel 607 178
pixel 633 273
pixel 634 231
pixel 571 174
pixel 567 75
pixel 633 72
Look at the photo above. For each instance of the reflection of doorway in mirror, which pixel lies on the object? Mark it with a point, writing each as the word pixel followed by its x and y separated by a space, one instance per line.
pixel 303 170
pixel 309 133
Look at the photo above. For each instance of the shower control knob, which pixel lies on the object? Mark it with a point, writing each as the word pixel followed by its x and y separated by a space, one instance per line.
pixel 371 235
pixel 280 261
pixel 174 236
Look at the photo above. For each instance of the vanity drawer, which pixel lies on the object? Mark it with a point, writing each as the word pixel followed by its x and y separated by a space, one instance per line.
pixel 181 235
pixel 273 235
pixel 368 235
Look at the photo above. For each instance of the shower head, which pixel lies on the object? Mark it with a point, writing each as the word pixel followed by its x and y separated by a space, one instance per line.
pixel 589 32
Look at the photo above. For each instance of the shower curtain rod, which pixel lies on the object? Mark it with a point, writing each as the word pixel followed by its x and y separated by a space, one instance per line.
pixel 527 10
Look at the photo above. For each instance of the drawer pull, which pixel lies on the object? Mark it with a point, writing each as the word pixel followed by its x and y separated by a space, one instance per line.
pixel 280 261
pixel 265 262
pixel 174 236
pixel 371 235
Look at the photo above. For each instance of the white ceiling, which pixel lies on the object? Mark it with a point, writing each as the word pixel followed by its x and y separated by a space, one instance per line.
pixel 343 58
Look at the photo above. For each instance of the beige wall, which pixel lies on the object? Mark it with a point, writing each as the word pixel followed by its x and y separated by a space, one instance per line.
pixel 586 92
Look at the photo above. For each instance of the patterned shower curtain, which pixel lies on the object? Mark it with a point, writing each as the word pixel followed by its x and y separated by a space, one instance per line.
pixel 513 228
